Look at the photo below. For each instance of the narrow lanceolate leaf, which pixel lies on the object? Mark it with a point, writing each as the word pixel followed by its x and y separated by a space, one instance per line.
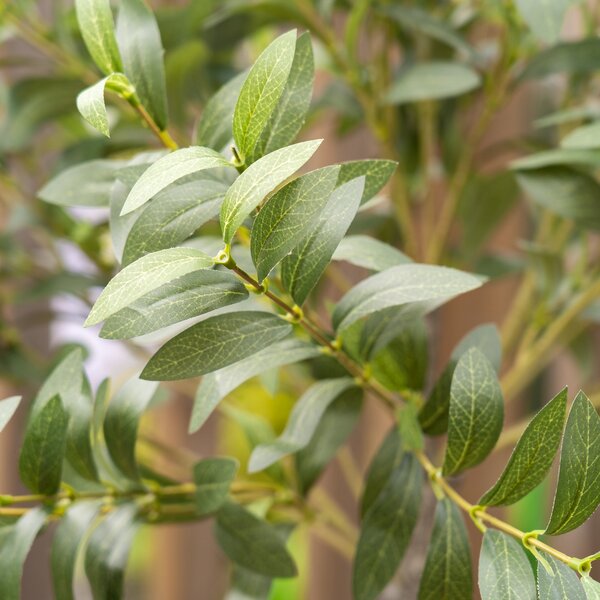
pixel 577 492
pixel 258 180
pixel 447 571
pixel 533 455
pixel 86 184
pixel 398 286
pixel 66 543
pixel 91 104
pixel 215 343
pixel 583 138
pixel 43 449
pixel 375 171
pixel 15 543
pixel 261 92
pixel 252 543
pixel 288 117
pixel 174 215
pixel 216 385
pixel 98 31
pixel 504 571
pixel 369 253
pixel 302 269
pixel 213 477
pixel 288 216
pixel 8 407
pixel 141 48
pixel 302 423
pixel 189 296
pixel 386 530
pixel 432 81
pixel 215 125
pixel 108 550
pixel 476 412
pixel 562 584
pixel 121 424
pixel 591 588
pixel 168 170
pixel 145 275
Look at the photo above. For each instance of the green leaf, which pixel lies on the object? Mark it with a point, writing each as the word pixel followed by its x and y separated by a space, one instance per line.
pixel 565 192
pixel 288 216
pixel 8 407
pixel 174 215
pixel 533 455
pixel 577 492
pixel 288 117
pixel 386 530
pixel 246 585
pixel 66 544
pixel 108 550
pixel 563 584
pixel 302 269
pixel 258 180
pixel 575 58
pixel 213 477
pixel 91 104
pixel 434 415
pixel 218 384
pixel 476 412
pixel 98 31
pixel 375 171
pixel 584 137
pixel 447 572
pixel 591 588
pixel 302 423
pixel 336 424
pixel 399 286
pixel 189 296
pixel 85 184
pixel 544 17
pixel 215 343
pixel 558 156
pixel 409 428
pixel 43 449
pixel 369 253
pixel 144 276
pixel 15 543
pixel 261 92
pixel 215 125
pixel 122 421
pixel 141 48
pixel 504 570
pixel 252 543
pixel 168 170
pixel 432 81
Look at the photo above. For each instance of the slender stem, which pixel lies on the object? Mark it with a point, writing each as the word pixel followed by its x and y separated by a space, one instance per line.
pixel 162 134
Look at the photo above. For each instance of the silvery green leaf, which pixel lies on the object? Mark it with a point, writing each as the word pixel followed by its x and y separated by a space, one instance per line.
pixel 213 477
pixel 544 17
pixel 375 171
pixel 562 584
pixel 369 253
pixel 591 588
pixel 583 138
pixel 558 156
pixel 8 407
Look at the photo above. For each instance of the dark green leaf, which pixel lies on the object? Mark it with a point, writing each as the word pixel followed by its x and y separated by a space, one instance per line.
pixel 447 572
pixel 375 171
pixel 563 584
pixel 369 253
pixel 213 477
pixel 8 407
pixel 533 455
pixel 577 491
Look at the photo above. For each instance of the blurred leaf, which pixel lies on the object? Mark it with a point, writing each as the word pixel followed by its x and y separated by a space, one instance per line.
pixel 213 477
pixel 369 253
pixel 575 58
pixel 559 156
pixel 563 584
pixel 375 171
pixel 544 17
pixel 411 435
pixel 8 407
pixel 583 138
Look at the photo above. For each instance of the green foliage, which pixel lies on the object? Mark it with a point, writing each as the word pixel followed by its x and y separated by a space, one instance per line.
pixel 562 583
pixel 213 477
pixel 8 408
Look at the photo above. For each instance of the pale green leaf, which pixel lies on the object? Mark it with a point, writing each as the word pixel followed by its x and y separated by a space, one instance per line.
pixel 504 571
pixel 386 529
pixel 544 17
pixel 302 269
pixel 577 492
pixel 213 477
pixel 563 584
pixel 168 170
pixel 476 412
pixel 369 253
pixel 258 180
pixel 288 216
pixel 575 58
pixel 261 92
pixel 533 455
pixel 8 407
pixel 98 31
pixel 432 81
pixel 144 276
pixel 375 171
pixel 447 571
pixel 142 52
pixel 591 588
pixel 398 286
pixel 302 423
pixel 215 343
pixel 85 184
pixel 216 385
pixel 189 296
pixel 583 138
pixel 252 543
pixel 557 156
